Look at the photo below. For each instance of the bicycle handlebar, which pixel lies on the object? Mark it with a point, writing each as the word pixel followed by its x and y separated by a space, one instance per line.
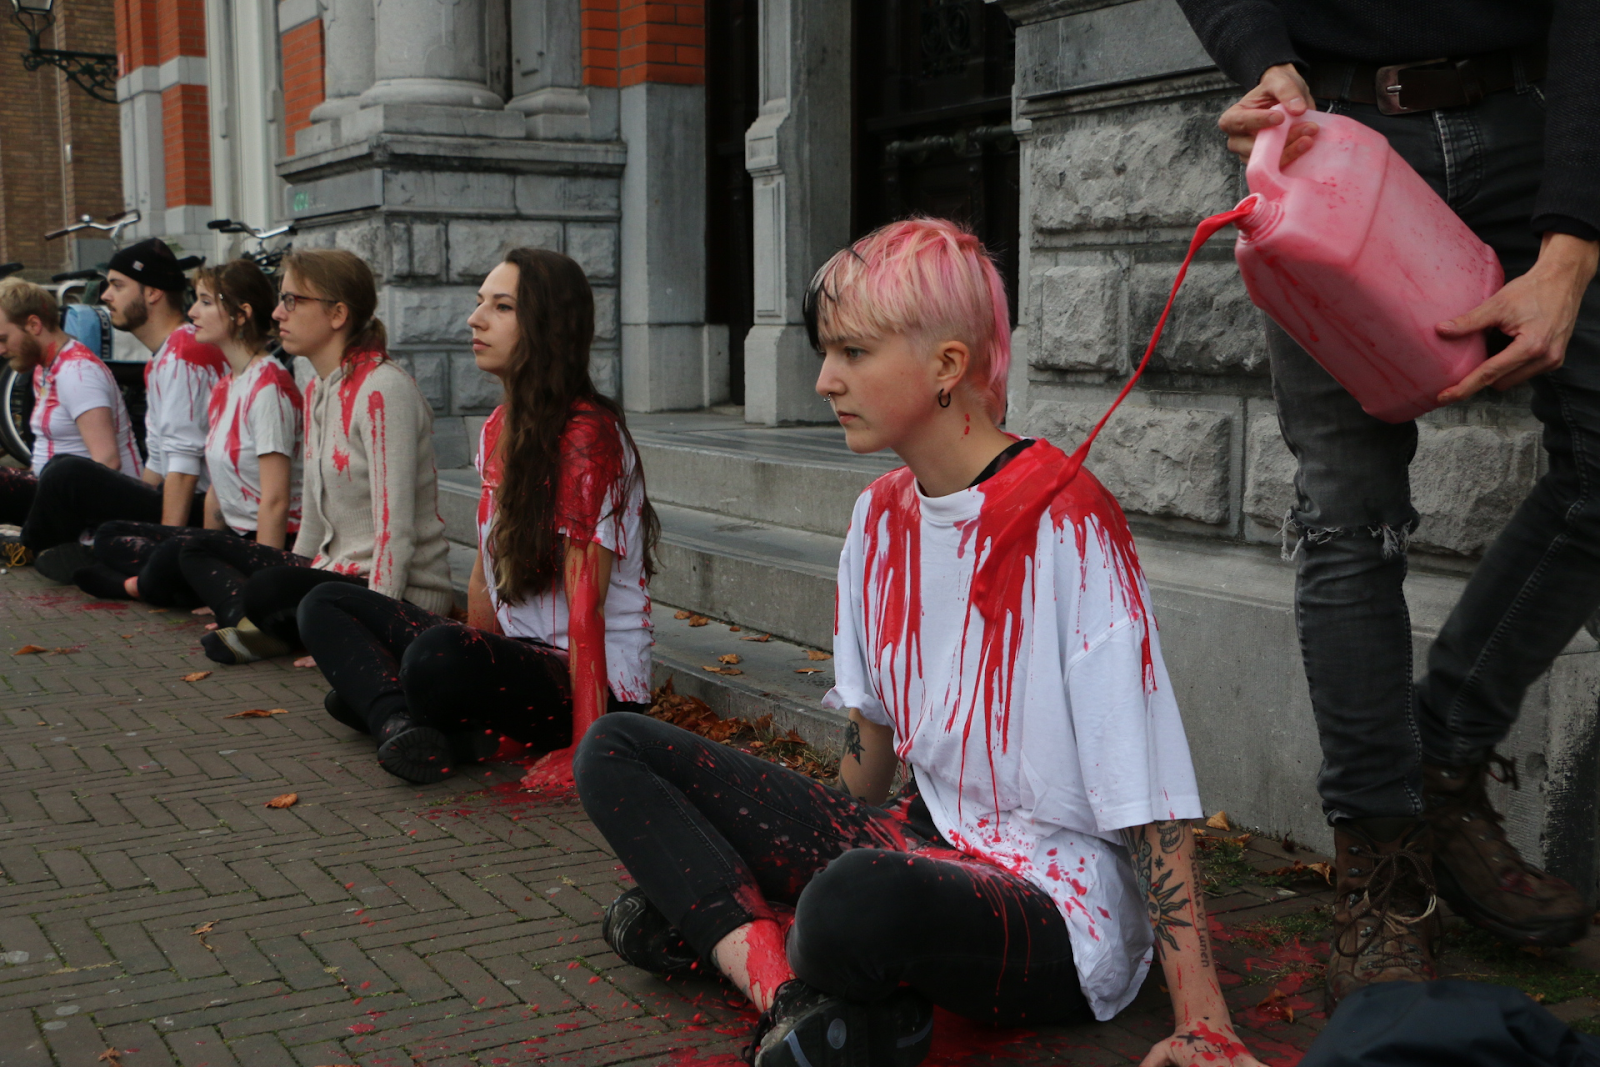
pixel 114 225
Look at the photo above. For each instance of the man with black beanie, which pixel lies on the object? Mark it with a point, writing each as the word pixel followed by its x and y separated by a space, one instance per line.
pixel 144 292
pixel 1495 103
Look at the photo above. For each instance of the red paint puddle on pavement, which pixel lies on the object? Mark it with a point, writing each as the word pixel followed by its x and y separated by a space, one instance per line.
pixel 361 1028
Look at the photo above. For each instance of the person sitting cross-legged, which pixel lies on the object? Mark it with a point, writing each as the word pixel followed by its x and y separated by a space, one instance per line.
pixel 558 604
pixel 995 632
pixel 252 507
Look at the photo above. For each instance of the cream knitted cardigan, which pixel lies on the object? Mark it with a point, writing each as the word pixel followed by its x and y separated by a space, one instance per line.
pixel 371 497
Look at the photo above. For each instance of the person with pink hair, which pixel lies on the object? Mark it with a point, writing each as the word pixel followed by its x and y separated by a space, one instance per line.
pixel 994 631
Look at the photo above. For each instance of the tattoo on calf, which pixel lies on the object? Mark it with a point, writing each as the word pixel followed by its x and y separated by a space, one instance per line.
pixel 852 740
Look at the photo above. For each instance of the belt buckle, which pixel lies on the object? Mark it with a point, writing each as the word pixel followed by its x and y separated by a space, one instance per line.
pixel 1388 86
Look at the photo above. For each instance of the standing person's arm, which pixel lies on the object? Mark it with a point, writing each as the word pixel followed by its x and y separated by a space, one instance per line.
pixel 100 437
pixel 1202 1036
pixel 480 609
pixel 272 515
pixel 585 577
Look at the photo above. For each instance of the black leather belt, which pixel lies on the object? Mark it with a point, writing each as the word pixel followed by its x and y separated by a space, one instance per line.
pixel 1403 88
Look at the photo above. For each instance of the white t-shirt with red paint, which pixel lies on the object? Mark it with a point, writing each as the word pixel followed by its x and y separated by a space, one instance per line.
pixel 598 500
pixel 178 382
pixel 74 382
pixel 1005 632
pixel 251 415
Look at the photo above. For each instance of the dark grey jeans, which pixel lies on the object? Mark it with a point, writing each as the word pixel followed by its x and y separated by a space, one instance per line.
pixel 1537 582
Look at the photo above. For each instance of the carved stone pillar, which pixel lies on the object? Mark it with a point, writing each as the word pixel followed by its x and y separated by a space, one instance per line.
pixel 348 45
pixel 430 52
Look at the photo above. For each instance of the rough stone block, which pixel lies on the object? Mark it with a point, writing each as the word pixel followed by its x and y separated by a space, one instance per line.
pixel 546 194
pixel 472 392
pixel 475 247
pixel 1465 481
pixel 594 248
pixel 427 249
pixel 1079 309
pixel 431 371
pixel 605 367
pixel 1156 461
pixel 1269 469
pixel 1213 328
pixel 399 250
pixel 426 314
pixel 457 192
pixel 451 448
pixel 605 314
pixel 1160 164
pixel 367 239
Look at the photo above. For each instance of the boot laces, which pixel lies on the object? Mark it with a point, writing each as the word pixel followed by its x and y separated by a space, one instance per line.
pixel 1391 932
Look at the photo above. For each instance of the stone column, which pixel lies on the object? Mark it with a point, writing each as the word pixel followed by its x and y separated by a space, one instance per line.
pixel 798 153
pixel 348 48
pixel 429 52
pixel 547 75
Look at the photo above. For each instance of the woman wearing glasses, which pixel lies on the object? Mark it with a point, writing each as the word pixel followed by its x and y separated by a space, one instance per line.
pixel 370 505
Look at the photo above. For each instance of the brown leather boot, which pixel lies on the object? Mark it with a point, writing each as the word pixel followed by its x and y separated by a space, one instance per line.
pixel 1481 876
pixel 1386 923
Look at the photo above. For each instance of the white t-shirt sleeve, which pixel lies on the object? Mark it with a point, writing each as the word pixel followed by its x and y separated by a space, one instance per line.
pixel 272 423
pixel 852 676
pixel 1133 753
pixel 83 385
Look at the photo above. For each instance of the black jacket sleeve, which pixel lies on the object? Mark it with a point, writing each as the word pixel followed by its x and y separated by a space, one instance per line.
pixel 1570 191
pixel 1245 37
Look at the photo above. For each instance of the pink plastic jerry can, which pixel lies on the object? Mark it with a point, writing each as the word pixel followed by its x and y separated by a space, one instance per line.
pixel 1352 253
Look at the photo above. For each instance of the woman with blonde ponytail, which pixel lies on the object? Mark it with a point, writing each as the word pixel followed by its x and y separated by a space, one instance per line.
pixel 558 606
pixel 370 513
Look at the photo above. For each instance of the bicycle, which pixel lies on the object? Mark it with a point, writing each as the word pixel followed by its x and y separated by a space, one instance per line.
pixel 262 257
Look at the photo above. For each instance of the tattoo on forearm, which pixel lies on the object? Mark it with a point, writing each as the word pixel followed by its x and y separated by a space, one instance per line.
pixel 1161 893
pixel 852 740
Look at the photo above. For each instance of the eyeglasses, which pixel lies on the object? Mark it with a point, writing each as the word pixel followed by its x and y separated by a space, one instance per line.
pixel 289 300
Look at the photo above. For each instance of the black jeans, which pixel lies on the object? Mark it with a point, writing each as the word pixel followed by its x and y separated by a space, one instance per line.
pixel 384 656
pixel 75 494
pixel 714 837
pixel 17 490
pixel 241 579
pixel 150 552
pixel 1537 582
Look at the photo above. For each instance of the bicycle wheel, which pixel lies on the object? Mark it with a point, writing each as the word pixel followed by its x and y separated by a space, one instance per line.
pixel 16 406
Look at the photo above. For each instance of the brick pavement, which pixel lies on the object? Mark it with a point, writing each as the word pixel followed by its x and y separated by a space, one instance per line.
pixel 371 923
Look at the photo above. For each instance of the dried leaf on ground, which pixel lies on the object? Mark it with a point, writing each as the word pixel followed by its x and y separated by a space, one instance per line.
pixel 1219 821
pixel 111 1056
pixel 757 637
pixel 287 800
pixel 808 670
pixel 1273 1006
pixel 729 658
pixel 205 928
pixel 734 629
pixel 682 614
pixel 817 657
pixel 257 713
pixel 722 670
pixel 196 676
pixel 29 650
pixel 698 620
pixel 759 737
pixel 1306 872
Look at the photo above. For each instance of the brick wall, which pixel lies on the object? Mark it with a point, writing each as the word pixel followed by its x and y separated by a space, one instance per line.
pixel 303 87
pixel 155 33
pixel 41 113
pixel 629 42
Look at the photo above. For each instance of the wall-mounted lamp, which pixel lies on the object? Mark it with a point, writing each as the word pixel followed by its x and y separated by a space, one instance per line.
pixel 93 72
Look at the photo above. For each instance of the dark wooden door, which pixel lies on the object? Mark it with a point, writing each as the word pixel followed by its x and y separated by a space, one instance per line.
pixel 732 88
pixel 933 119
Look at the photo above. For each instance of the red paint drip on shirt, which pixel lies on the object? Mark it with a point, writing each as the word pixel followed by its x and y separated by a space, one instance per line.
pixel 357 367
pixel 378 425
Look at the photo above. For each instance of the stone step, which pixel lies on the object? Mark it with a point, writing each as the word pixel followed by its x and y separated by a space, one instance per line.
pixel 798 477
pixel 774 578
pixel 458 504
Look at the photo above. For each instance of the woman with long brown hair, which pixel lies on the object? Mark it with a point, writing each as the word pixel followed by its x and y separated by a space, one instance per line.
pixel 558 609
pixel 370 514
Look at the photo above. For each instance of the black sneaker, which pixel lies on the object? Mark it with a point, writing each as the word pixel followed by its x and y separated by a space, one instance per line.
pixel 343 712
pixel 806 1027
pixel 420 754
pixel 638 932
pixel 60 563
